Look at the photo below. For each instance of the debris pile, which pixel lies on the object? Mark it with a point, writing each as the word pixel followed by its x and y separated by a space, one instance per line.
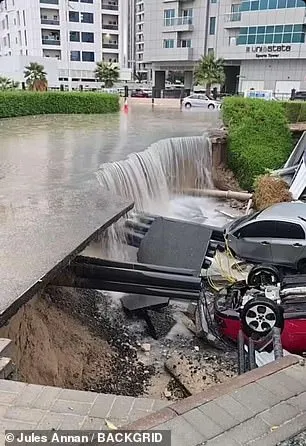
pixel 270 190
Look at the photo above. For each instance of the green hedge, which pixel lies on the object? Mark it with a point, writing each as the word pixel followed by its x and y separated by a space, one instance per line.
pixel 22 103
pixel 295 111
pixel 259 137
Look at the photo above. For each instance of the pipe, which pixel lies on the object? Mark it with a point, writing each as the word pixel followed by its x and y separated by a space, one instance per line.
pixel 133 239
pixel 299 291
pixel 137 226
pixel 146 278
pixel 144 218
pixel 137 266
pixel 129 288
pixel 228 194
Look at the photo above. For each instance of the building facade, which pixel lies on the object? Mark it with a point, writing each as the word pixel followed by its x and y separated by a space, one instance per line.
pixel 67 36
pixel 261 41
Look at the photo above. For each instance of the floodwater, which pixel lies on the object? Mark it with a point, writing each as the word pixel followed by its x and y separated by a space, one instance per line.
pixel 41 153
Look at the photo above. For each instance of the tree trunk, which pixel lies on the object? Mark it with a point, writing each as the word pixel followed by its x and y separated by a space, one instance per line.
pixel 208 90
pixel 108 83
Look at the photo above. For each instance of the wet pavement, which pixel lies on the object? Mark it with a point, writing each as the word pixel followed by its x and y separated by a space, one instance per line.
pixel 50 200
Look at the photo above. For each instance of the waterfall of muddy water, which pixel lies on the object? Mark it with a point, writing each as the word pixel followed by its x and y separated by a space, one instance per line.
pixel 149 177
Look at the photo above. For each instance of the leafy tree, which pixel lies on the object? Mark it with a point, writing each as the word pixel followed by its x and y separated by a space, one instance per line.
pixel 36 77
pixel 107 73
pixel 8 84
pixel 140 76
pixel 209 71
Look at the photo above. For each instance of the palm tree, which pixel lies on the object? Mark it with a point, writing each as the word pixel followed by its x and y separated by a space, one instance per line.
pixel 8 84
pixel 36 77
pixel 139 76
pixel 209 71
pixel 107 73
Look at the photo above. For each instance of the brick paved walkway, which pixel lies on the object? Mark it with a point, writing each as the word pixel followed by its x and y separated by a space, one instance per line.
pixel 27 406
pixel 262 407
pixel 259 408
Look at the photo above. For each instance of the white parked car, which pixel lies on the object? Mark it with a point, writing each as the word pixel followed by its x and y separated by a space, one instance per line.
pixel 201 100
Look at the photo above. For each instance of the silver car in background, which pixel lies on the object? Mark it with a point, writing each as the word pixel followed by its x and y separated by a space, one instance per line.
pixel 276 235
pixel 201 100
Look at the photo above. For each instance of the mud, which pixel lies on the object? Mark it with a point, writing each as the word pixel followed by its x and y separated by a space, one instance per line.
pixel 82 339
pixel 61 339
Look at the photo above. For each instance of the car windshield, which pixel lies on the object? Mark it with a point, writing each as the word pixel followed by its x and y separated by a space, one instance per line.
pixel 244 219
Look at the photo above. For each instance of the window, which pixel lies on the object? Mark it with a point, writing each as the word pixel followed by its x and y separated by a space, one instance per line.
pixel 185 43
pixel 74 36
pixel 289 230
pixel 86 1
pixel 88 37
pixel 88 56
pixel 73 16
pixel 75 56
pixel 260 229
pixel 210 51
pixel 271 34
pixel 255 5
pixel 212 25
pixel 87 17
pixel 169 15
pixel 169 43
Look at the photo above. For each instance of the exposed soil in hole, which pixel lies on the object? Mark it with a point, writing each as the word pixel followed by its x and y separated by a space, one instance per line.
pixel 81 339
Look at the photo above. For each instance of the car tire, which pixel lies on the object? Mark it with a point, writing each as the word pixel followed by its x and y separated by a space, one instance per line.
pixel 211 107
pixel 302 266
pixel 259 316
pixel 263 275
pixel 188 105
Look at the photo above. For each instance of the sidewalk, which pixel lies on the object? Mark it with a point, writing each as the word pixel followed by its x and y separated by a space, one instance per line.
pixel 28 406
pixel 260 408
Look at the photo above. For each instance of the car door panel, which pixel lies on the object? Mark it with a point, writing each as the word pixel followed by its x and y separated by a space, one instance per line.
pixel 254 249
pixel 289 246
pixel 253 241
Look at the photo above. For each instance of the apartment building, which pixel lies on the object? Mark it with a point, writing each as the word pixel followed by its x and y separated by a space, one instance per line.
pixel 139 36
pixel 261 41
pixel 67 36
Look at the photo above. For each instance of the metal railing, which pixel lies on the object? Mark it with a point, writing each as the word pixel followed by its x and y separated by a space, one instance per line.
pixel 110 7
pixel 49 22
pixel 113 46
pixel 50 42
pixel 50 2
pixel 233 17
pixel 107 26
pixel 178 21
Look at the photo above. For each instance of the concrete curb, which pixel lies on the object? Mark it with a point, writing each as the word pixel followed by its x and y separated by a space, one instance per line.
pixel 194 401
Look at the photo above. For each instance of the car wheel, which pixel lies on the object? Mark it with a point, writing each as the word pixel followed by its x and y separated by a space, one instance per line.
pixel 263 275
pixel 211 107
pixel 259 316
pixel 187 105
pixel 302 266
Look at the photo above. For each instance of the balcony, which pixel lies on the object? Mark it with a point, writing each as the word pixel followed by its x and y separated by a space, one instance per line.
pixel 232 20
pixel 178 24
pixel 50 53
pixel 50 2
pixel 175 54
pixel 110 7
pixel 49 37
